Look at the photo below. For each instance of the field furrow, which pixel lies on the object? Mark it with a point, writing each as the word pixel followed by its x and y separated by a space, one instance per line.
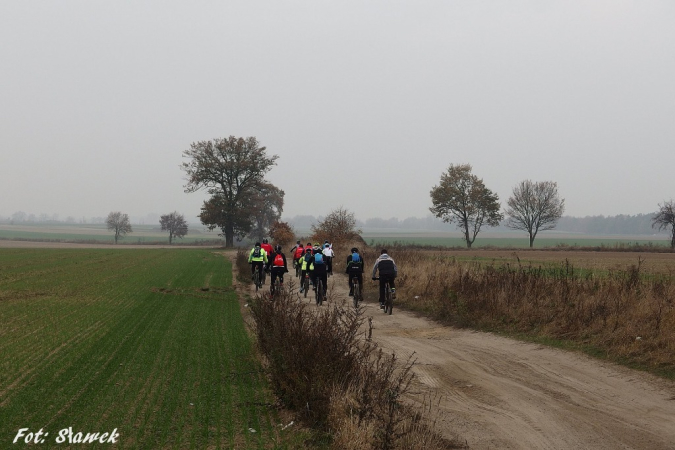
pixel 150 342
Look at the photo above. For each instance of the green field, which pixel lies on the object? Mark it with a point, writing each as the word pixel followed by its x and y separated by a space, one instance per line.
pixel 148 342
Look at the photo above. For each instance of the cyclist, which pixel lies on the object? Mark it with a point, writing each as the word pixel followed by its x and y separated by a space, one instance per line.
pixel 257 259
pixel 328 256
pixel 295 247
pixel 268 248
pixel 306 261
pixel 278 267
pixel 355 266
pixel 319 270
pixel 388 271
pixel 297 253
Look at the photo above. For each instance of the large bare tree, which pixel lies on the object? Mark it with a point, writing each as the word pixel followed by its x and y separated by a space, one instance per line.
pixel 175 224
pixel 462 197
pixel 664 218
pixel 534 207
pixel 233 171
pixel 119 224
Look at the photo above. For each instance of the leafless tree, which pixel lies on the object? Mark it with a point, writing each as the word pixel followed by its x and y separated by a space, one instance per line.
pixel 664 218
pixel 119 224
pixel 463 198
pixel 534 207
pixel 175 224
pixel 338 227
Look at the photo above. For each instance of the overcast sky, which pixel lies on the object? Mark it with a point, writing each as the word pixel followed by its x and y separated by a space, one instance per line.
pixel 365 102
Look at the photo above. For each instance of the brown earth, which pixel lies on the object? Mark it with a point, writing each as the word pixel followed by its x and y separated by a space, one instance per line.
pixel 653 262
pixel 498 393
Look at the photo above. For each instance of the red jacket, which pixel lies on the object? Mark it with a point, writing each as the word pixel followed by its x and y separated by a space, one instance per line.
pixel 268 248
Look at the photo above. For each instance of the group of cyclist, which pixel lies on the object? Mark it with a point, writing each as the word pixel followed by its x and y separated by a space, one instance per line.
pixel 317 262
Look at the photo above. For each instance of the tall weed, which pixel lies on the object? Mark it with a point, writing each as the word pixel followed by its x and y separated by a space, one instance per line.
pixel 627 314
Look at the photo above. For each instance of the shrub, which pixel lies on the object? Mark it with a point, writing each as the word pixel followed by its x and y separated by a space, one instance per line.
pixel 322 366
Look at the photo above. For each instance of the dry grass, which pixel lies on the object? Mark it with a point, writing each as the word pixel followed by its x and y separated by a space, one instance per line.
pixel 626 314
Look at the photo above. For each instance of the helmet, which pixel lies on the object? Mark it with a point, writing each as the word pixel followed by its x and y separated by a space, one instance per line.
pixel 355 250
pixel 257 244
pixel 265 241
pixel 277 248
pixel 326 241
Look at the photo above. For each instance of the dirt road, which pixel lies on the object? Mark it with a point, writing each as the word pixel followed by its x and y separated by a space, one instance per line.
pixel 497 393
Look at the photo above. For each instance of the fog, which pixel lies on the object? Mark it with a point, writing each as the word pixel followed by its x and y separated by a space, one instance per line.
pixel 366 103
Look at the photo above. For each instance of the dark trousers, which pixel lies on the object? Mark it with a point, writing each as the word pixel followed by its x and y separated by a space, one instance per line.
pixel 274 274
pixel 383 280
pixel 320 276
pixel 259 266
pixel 359 276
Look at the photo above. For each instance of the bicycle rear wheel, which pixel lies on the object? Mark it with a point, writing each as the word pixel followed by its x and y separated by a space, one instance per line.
pixel 387 299
pixel 256 280
pixel 319 292
pixel 357 291
pixel 390 301
pixel 305 285
pixel 277 288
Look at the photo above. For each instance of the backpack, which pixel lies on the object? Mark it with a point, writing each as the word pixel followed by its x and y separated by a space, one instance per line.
pixel 318 258
pixel 256 252
pixel 308 256
pixel 356 258
pixel 279 260
pixel 298 252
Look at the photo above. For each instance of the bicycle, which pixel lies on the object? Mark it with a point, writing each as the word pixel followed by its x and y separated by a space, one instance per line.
pixel 319 292
pixel 388 301
pixel 356 286
pixel 305 284
pixel 278 289
pixel 298 269
pixel 256 279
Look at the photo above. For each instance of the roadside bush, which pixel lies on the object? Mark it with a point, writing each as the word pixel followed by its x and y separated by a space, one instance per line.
pixel 322 366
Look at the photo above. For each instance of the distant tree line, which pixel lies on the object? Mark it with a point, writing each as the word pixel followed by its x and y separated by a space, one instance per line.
pixel 639 224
